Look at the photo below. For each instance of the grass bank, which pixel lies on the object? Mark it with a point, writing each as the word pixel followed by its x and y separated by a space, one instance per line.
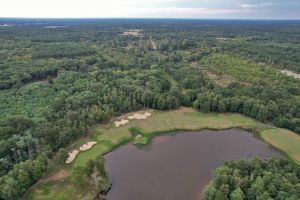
pixel 141 132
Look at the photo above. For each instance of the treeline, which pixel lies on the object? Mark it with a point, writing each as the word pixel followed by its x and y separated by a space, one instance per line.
pixel 255 179
pixel 59 50
pixel 248 101
pixel 264 111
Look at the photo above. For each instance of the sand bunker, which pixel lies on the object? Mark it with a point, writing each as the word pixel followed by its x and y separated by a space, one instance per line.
pixel 83 147
pixel 140 116
pixel 87 146
pixel 131 117
pixel 72 156
pixel 121 122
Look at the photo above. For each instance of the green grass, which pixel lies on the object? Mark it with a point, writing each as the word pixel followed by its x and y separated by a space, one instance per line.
pixel 244 70
pixel 142 131
pixel 61 190
pixel 98 149
pixel 284 140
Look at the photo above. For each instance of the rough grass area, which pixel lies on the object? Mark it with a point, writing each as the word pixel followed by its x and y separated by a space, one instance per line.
pixel 285 140
pixel 243 70
pixel 142 131
pixel 61 190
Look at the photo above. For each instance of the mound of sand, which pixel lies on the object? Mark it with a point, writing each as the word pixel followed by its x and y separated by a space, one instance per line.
pixel 83 147
pixel 87 146
pixel 72 156
pixel 121 122
pixel 140 116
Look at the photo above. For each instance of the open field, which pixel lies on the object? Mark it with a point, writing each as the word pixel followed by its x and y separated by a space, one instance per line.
pixel 243 70
pixel 61 190
pixel 108 137
pixel 285 140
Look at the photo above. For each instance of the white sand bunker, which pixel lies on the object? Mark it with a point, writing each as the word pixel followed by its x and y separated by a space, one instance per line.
pixel 140 116
pixel 83 147
pixel 87 146
pixel 72 156
pixel 121 122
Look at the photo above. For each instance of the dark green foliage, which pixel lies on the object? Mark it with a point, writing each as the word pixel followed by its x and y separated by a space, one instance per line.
pixel 255 179
pixel 89 168
pixel 21 177
pixel 58 50
pixel 99 163
pixel 62 155
pixel 77 176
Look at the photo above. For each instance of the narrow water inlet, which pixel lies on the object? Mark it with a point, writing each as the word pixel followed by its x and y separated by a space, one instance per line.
pixel 178 166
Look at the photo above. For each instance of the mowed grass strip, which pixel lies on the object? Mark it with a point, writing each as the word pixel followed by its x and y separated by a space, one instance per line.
pixel 285 140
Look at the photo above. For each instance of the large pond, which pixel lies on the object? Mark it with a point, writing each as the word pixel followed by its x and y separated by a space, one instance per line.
pixel 177 166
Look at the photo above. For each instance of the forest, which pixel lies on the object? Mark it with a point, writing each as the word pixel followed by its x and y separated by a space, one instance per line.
pixel 59 78
pixel 255 179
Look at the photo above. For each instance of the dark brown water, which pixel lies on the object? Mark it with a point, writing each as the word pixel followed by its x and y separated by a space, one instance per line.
pixel 177 167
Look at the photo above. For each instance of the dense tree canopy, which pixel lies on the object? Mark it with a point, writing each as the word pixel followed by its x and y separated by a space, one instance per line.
pixel 255 179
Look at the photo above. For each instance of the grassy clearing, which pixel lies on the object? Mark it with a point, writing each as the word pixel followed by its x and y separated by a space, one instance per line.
pixel 285 140
pixel 244 70
pixel 61 190
pixel 109 136
pixel 141 132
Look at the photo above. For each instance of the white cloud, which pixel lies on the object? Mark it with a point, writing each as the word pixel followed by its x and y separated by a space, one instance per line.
pixel 248 5
pixel 187 12
pixel 259 5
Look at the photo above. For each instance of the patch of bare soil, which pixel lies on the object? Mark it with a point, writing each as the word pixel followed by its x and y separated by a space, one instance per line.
pixel 290 73
pixel 139 115
pixel 219 79
pixel 133 32
pixel 154 46
pixel 222 80
pixel 59 175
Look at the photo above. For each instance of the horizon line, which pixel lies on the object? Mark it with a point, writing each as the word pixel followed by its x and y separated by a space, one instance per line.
pixel 153 18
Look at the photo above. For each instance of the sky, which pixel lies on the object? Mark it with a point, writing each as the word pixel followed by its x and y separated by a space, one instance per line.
pixel 204 9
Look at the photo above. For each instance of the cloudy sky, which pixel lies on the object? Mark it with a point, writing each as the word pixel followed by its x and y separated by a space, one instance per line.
pixel 229 9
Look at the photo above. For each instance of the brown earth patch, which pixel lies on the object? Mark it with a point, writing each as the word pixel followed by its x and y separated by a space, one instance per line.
pixel 222 80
